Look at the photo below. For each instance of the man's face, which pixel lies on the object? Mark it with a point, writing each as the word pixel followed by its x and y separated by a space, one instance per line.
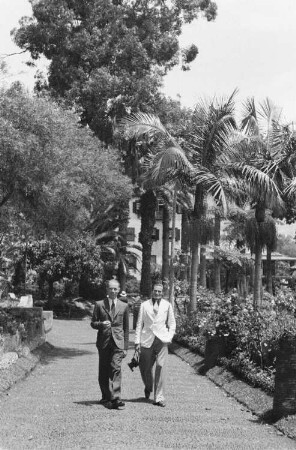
pixel 157 292
pixel 112 289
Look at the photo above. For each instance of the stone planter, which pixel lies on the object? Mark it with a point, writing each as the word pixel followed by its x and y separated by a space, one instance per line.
pixel 284 402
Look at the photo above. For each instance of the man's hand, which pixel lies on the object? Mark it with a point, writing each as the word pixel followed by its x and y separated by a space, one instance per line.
pixel 137 348
pixel 124 353
pixel 107 323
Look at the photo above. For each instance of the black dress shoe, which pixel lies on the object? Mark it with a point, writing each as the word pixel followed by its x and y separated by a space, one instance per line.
pixel 103 401
pixel 116 404
pixel 147 394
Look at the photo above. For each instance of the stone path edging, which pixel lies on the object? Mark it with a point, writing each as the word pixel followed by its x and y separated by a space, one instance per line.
pixel 20 368
pixel 256 398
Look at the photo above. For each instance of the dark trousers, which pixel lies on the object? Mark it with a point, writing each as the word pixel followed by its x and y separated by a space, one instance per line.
pixel 110 358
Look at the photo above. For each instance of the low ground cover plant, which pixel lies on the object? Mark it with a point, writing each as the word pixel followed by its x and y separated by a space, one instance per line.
pixel 22 324
pixel 249 337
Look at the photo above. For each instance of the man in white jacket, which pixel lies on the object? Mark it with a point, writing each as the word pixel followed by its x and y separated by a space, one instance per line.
pixel 155 329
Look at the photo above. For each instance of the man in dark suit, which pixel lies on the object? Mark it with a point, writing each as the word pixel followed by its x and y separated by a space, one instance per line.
pixel 111 319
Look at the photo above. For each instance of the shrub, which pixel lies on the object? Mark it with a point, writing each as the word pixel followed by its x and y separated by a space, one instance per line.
pixel 251 336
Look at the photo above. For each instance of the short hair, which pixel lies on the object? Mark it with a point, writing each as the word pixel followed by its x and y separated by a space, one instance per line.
pixel 158 284
pixel 113 281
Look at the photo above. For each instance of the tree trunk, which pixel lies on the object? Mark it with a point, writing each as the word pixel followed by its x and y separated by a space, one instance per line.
pixel 203 267
pixel 122 275
pixel 166 243
pixel 269 271
pixel 196 224
pixel 147 210
pixel 257 276
pixel 185 243
pixel 194 276
pixel 242 280
pixel 260 219
pixel 172 274
pixel 217 262
pixel 50 295
pixel 227 281
pixel 122 264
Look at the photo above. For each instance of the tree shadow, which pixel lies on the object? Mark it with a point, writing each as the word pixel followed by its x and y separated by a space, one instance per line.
pixel 269 417
pixel 202 368
pixel 51 353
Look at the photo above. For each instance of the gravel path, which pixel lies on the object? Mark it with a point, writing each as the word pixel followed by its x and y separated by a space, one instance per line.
pixel 56 407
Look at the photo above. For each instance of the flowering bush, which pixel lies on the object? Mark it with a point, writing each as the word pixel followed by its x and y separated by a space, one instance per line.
pixel 251 337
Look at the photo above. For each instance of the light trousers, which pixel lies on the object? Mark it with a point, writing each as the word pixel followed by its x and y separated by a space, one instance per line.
pixel 156 354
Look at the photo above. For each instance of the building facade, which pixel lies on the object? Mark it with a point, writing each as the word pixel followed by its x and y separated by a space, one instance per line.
pixel 133 231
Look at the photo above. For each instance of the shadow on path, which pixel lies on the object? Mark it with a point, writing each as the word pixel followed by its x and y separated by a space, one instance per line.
pixel 84 343
pixel 88 403
pixel 52 353
pixel 137 400
pixel 269 417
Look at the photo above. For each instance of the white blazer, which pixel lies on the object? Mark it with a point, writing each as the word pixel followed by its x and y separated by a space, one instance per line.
pixel 149 324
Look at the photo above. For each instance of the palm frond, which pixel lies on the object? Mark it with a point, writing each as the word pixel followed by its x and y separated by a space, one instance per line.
pixel 106 235
pixel 249 121
pixel 212 185
pixel 290 190
pixel 165 166
pixel 140 124
pixel 261 184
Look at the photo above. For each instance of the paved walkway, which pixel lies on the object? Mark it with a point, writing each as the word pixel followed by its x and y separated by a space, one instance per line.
pixel 56 407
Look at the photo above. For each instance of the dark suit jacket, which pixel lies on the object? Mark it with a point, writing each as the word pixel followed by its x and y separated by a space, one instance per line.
pixel 119 325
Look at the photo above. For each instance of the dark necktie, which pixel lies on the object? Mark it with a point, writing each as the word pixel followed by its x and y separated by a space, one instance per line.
pixel 112 309
pixel 155 307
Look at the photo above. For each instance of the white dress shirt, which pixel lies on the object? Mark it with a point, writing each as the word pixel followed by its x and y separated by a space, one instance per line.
pixel 110 302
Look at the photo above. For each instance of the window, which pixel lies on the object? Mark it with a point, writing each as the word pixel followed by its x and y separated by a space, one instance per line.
pixel 177 234
pixel 153 259
pixel 159 212
pixel 130 235
pixel 155 234
pixel 136 207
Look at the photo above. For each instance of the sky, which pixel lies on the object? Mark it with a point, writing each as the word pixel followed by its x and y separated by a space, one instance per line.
pixel 251 46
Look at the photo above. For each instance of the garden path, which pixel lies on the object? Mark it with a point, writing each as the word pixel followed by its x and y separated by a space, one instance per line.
pixel 56 406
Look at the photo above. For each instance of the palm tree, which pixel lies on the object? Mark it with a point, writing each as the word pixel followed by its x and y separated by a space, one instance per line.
pixel 165 161
pixel 207 235
pixel 217 166
pixel 212 121
pixel 271 148
pixel 147 211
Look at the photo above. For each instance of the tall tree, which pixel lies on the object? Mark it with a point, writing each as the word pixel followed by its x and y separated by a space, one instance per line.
pixel 218 166
pixel 165 160
pixel 55 172
pixel 269 146
pixel 147 211
pixel 212 121
pixel 109 56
